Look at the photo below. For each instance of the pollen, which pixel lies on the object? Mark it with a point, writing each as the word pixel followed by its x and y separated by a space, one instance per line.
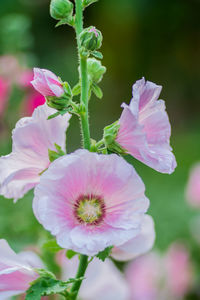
pixel 89 210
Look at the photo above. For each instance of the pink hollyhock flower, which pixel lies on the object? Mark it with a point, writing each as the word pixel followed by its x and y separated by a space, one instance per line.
pixel 16 270
pixel 102 279
pixel 193 187
pixel 90 201
pixel 47 83
pixel 143 276
pixel 4 93
pixel 32 102
pixel 32 137
pixel 145 129
pixel 179 272
pixel 141 243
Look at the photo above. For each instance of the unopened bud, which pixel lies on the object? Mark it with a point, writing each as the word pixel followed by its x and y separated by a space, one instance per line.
pixel 91 38
pixel 61 9
pixel 110 134
pixel 95 70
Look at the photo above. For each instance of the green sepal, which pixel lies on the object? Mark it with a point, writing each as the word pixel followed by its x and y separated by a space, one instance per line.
pixel 76 89
pixel 53 155
pixel 97 90
pixel 70 254
pixel 69 21
pixel 105 253
pixel 88 2
pixel 109 136
pixel 53 116
pixel 97 54
pixel 51 246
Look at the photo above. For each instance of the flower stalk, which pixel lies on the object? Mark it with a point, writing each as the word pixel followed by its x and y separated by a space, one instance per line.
pixel 84 127
pixel 83 78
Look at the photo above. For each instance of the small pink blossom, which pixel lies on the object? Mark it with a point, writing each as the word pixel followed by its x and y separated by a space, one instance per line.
pixel 47 83
pixel 4 94
pixel 103 281
pixel 145 129
pixel 90 201
pixel 32 137
pixel 141 243
pixel 16 270
pixel 193 186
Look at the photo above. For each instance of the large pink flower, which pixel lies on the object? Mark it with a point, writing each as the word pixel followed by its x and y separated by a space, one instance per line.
pixel 90 201
pixel 141 243
pixel 16 270
pixel 47 83
pixel 32 137
pixel 193 187
pixel 145 129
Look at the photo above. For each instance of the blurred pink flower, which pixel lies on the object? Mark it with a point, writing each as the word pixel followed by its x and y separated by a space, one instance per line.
pixel 32 137
pixel 179 272
pixel 4 94
pixel 193 186
pixel 145 129
pixel 47 83
pixel 16 270
pixel 103 281
pixel 141 243
pixel 153 277
pixel 10 68
pixel 31 102
pixel 25 79
pixel 143 276
pixel 90 201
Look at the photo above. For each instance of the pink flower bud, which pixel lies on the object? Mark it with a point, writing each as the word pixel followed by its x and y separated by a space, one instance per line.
pixel 4 93
pixel 47 83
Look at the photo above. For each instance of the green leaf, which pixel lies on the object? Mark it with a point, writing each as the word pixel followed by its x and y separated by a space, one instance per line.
pixel 97 90
pixel 70 254
pixel 105 253
pixel 51 246
pixel 47 285
pixel 97 54
pixel 76 89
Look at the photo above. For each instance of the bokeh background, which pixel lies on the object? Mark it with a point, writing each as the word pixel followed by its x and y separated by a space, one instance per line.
pixel 157 39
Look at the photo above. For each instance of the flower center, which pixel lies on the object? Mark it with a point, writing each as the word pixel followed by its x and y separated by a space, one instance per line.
pixel 89 210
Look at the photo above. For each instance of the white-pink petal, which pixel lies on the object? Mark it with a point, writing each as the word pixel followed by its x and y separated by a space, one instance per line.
pixel 140 244
pixel 32 137
pixel 145 128
pixel 16 270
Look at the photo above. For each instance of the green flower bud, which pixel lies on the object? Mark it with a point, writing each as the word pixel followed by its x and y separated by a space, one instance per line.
pixel 61 9
pixel 95 70
pixel 91 38
pixel 63 102
pixel 109 136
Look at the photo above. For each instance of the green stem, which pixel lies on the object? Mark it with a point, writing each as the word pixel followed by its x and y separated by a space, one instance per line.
pixel 84 127
pixel 83 78
pixel 80 273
